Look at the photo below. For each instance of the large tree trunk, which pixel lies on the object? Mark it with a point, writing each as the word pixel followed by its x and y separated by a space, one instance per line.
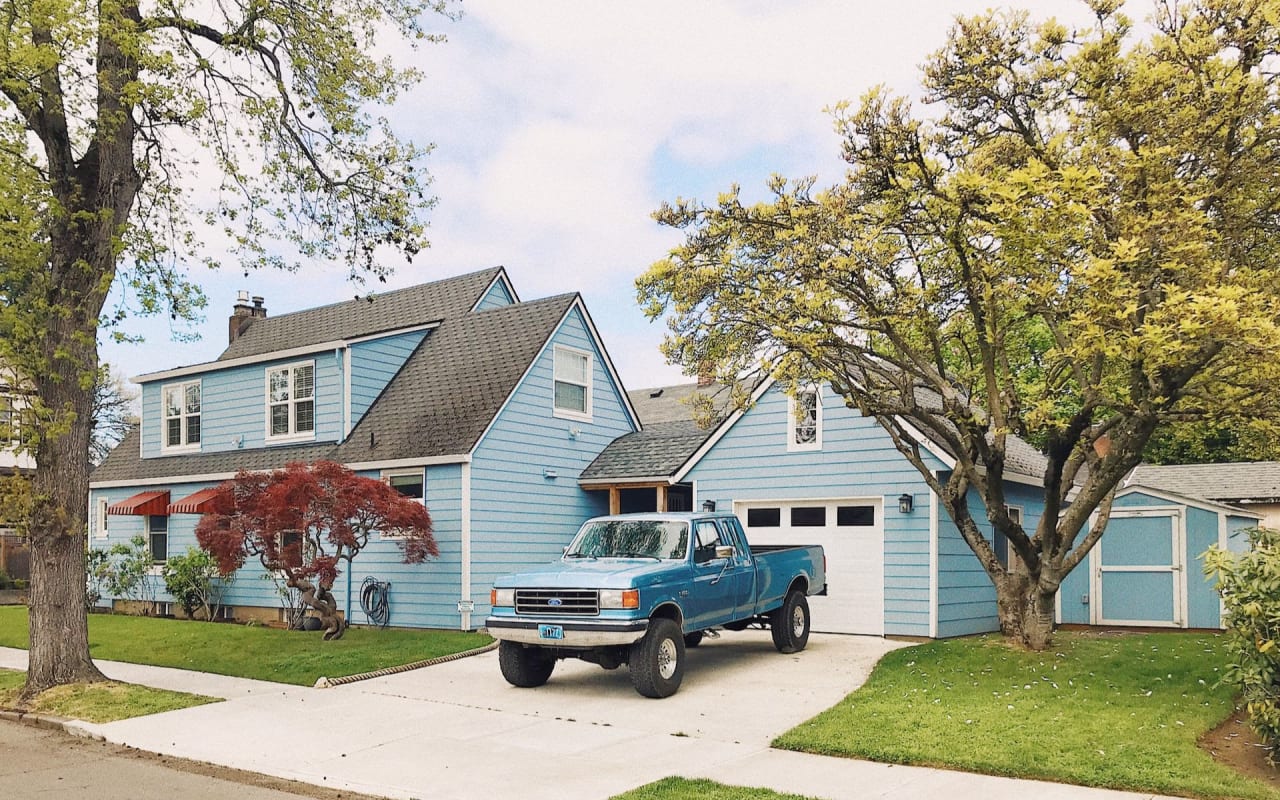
pixel 59 632
pixel 325 604
pixel 1026 610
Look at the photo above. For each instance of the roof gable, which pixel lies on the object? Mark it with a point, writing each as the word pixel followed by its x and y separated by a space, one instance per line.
pixel 1252 481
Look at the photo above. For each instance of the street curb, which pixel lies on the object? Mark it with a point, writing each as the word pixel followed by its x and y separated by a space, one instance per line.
pixel 329 683
pixel 48 721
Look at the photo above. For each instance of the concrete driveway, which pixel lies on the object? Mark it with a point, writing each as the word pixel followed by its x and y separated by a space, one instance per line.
pixel 458 730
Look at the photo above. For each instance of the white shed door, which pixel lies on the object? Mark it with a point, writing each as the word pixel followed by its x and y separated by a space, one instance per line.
pixel 851 533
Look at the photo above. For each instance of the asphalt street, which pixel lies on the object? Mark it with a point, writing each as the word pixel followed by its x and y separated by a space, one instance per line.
pixel 38 763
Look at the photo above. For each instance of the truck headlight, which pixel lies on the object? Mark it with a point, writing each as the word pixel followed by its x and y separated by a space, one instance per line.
pixel 502 597
pixel 619 598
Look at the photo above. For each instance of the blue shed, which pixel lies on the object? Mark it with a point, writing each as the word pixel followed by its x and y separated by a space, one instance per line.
pixel 1146 570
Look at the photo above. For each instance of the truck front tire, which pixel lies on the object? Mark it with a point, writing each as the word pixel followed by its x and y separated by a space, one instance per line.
pixel 522 666
pixel 790 623
pixel 657 660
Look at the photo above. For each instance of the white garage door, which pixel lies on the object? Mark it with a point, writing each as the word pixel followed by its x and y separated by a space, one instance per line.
pixel 852 534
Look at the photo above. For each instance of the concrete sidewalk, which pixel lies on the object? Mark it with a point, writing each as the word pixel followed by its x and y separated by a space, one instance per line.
pixel 457 731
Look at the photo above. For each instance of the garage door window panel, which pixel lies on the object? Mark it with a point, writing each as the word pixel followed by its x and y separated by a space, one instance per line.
pixel 856 516
pixel 809 516
pixel 764 517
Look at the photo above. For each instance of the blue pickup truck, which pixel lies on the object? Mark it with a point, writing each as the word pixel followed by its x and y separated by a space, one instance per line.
pixel 637 589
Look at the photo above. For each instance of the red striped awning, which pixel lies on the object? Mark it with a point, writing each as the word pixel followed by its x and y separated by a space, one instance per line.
pixel 142 503
pixel 197 503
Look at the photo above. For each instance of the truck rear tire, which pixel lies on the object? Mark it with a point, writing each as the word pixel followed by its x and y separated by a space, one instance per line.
pixel 790 623
pixel 657 660
pixel 522 666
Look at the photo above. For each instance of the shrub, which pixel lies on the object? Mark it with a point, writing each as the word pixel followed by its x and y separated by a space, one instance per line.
pixel 124 572
pixel 1250 587
pixel 5 582
pixel 20 584
pixel 95 577
pixel 194 581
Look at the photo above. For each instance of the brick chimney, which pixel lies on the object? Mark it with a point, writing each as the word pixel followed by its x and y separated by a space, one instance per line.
pixel 243 315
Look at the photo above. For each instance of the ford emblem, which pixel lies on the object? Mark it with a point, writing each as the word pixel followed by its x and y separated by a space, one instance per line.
pixel 555 601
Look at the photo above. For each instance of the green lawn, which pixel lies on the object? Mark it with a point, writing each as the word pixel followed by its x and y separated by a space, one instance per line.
pixel 1115 710
pixel 100 702
pixel 685 789
pixel 250 652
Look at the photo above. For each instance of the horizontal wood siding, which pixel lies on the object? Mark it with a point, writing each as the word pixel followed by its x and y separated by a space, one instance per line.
pixel 234 407
pixel 966 595
pixel 421 595
pixel 374 364
pixel 857 459
pixel 496 297
pixel 520 517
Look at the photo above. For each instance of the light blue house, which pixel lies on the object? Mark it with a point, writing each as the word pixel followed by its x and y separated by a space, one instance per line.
pixel 896 564
pixel 456 392
pixel 809 470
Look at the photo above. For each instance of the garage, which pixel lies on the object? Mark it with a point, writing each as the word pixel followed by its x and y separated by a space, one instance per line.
pixel 851 532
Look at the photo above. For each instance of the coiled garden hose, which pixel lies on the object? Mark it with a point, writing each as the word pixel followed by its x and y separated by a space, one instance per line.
pixel 375 601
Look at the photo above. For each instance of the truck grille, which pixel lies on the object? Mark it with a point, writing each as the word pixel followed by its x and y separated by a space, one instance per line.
pixel 561 602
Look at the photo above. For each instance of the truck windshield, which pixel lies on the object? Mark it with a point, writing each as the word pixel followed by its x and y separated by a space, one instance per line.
pixel 645 538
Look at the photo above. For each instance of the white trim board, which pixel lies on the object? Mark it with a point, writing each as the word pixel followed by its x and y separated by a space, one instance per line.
pixel 214 477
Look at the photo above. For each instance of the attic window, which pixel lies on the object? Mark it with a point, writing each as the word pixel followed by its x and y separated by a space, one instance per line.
pixel 291 402
pixel 572 383
pixel 804 421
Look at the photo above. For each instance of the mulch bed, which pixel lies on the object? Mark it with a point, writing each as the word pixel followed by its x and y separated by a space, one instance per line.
pixel 1233 743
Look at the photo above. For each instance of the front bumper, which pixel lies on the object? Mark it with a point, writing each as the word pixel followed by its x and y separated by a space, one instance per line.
pixel 578 633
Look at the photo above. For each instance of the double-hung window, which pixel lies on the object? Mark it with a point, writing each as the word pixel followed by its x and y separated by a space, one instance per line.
pixel 158 536
pixel 572 383
pixel 804 420
pixel 291 401
pixel 181 416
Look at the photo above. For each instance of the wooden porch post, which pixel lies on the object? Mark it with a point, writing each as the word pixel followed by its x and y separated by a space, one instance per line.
pixel 662 496
pixel 615 500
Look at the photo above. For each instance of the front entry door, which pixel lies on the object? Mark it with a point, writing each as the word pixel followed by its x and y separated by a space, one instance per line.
pixel 1138 570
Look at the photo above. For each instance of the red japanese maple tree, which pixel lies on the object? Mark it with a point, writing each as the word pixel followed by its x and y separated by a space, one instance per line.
pixel 304 519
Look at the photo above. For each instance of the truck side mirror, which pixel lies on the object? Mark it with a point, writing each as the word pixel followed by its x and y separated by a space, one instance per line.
pixel 725 551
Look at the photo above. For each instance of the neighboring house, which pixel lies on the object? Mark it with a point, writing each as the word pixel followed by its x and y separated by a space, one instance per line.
pixel 13 402
pixel 455 392
pixel 1253 485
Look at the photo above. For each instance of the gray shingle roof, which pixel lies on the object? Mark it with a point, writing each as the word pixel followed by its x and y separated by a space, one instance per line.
pixel 125 463
pixel 1021 457
pixel 444 397
pixel 401 308
pixel 671 403
pixel 1256 481
pixel 655 452
pixel 454 383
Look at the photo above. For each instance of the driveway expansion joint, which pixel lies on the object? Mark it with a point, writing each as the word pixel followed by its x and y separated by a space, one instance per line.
pixel 329 683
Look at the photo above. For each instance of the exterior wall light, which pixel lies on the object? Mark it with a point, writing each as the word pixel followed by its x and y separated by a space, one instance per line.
pixel 708 505
pixel 905 503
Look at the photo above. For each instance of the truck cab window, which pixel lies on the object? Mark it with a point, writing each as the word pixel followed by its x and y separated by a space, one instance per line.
pixel 708 538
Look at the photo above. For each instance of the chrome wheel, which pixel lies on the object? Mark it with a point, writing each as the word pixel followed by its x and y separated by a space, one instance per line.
pixel 667 659
pixel 799 623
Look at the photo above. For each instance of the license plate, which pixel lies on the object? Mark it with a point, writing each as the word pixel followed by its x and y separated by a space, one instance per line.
pixel 550 631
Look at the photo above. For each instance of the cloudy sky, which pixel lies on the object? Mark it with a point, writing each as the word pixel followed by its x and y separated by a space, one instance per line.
pixel 560 126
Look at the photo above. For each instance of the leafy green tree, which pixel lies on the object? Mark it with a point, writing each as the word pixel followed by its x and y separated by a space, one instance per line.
pixel 113 116
pixel 1075 244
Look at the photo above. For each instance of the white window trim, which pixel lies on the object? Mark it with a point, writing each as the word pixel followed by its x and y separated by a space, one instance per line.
pixel 13 438
pixel 100 519
pixel 388 474
pixel 193 447
pixel 293 435
pixel 816 444
pixel 157 566
pixel 564 413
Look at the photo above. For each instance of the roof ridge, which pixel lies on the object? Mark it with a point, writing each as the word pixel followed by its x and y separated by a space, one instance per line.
pixel 388 293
